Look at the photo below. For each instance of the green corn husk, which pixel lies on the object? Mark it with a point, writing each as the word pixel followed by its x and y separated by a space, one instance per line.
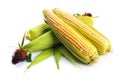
pixel 44 41
pixel 41 57
pixel 67 54
pixel 37 31
pixel 58 56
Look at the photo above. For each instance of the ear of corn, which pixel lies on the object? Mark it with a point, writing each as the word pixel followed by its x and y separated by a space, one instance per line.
pixel 44 41
pixel 37 31
pixel 102 44
pixel 77 44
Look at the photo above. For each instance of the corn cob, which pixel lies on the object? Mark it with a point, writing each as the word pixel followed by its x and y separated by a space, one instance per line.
pixel 37 31
pixel 77 44
pixel 102 44
pixel 44 41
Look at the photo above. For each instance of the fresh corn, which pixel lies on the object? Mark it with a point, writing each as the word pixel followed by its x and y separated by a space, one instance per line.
pixel 44 41
pixel 37 31
pixel 102 44
pixel 77 44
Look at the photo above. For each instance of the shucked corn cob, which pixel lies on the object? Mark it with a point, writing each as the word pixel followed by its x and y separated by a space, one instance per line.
pixel 77 44
pixel 100 41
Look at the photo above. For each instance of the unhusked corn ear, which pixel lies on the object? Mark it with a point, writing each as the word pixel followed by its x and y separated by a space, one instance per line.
pixel 44 41
pixel 102 44
pixel 37 31
pixel 77 44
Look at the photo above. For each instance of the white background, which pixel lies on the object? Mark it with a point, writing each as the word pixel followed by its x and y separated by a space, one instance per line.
pixel 17 16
